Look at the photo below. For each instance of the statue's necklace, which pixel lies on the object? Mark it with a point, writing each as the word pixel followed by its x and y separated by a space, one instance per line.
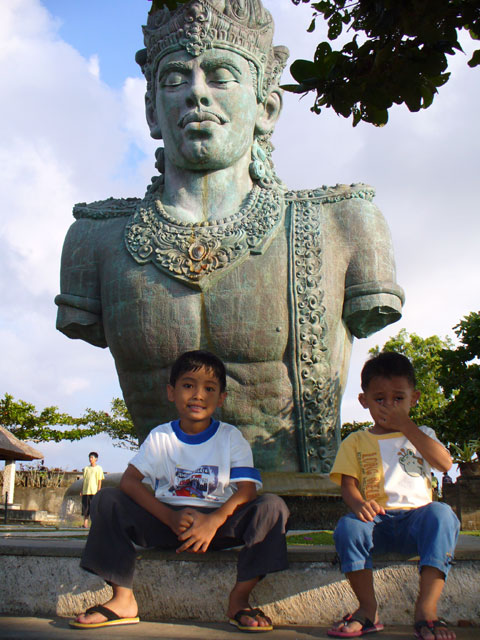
pixel 198 253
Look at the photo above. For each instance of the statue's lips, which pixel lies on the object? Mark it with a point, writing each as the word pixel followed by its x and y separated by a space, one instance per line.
pixel 201 116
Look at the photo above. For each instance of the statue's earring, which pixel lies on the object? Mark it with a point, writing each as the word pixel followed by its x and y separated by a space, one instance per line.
pixel 260 169
pixel 160 160
pixel 257 167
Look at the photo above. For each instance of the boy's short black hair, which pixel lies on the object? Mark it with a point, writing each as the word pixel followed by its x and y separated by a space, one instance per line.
pixel 94 454
pixel 195 360
pixel 387 364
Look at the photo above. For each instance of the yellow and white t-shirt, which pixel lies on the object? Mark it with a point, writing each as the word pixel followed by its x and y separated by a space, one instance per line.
pixel 91 478
pixel 388 467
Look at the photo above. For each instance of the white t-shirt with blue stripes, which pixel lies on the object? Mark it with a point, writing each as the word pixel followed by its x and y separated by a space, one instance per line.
pixel 197 470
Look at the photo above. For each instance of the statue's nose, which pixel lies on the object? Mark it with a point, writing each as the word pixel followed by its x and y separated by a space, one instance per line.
pixel 199 94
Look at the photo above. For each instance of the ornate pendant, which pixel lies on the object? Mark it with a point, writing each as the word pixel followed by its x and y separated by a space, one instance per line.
pixel 197 254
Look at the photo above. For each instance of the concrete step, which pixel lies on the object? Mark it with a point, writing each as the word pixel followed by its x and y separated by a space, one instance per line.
pixel 27 628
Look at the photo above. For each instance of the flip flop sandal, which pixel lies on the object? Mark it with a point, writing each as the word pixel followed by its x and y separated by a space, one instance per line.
pixel 431 625
pixel 367 627
pixel 113 620
pixel 251 613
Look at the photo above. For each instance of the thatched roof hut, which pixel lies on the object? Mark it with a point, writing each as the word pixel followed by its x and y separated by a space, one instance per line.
pixel 11 448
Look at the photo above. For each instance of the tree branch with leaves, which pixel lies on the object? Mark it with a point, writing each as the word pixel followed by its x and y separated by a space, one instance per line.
pixel 26 423
pixel 397 55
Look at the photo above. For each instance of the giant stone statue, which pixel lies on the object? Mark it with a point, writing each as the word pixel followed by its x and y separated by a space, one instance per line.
pixel 219 254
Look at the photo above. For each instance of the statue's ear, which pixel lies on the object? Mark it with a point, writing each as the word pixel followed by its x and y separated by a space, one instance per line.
pixel 152 119
pixel 268 112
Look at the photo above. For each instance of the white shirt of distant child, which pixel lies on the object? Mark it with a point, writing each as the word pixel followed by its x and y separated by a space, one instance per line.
pixel 197 470
pixel 388 467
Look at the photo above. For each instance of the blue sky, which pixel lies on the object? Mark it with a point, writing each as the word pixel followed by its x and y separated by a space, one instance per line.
pixel 73 129
pixel 109 29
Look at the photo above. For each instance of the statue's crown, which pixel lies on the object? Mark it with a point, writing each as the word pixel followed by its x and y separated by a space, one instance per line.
pixel 242 26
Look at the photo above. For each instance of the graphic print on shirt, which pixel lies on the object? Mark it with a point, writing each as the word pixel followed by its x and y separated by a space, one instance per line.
pixel 410 463
pixel 370 474
pixel 199 483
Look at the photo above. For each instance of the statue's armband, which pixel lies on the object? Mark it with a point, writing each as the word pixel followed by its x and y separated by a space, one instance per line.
pixel 372 298
pixel 81 318
pixel 371 306
pixel 79 307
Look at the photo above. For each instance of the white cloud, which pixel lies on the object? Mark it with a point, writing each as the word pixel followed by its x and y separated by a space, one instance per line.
pixel 62 140
pixel 94 66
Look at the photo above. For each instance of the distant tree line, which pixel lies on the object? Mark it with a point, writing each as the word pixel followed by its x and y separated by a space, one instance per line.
pixel 26 423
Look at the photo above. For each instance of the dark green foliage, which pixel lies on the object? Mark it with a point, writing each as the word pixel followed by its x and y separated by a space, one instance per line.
pixel 459 376
pixel 117 424
pixel 26 423
pixel 397 55
pixel 426 356
pixel 349 427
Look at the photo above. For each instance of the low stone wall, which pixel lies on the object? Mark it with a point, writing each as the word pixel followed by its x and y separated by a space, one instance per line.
pixel 44 499
pixel 464 498
pixel 49 582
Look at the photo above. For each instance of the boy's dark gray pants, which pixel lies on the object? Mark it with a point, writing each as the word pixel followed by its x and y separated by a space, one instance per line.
pixel 118 522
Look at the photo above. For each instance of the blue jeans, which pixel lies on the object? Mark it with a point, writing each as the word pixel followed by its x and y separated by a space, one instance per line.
pixel 430 531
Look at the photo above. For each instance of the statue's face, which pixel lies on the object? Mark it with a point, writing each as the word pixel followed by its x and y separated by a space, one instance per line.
pixel 206 108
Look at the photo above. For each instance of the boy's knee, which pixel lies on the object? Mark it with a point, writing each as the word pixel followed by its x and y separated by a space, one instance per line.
pixel 105 499
pixel 442 515
pixel 350 526
pixel 272 505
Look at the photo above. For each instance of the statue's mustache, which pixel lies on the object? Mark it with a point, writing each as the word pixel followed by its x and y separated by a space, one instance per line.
pixel 201 116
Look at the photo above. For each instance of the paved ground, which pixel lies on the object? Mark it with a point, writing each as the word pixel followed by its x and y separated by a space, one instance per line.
pixel 58 629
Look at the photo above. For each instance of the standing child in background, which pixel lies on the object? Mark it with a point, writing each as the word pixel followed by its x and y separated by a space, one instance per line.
pixel 204 497
pixel 92 483
pixel 385 476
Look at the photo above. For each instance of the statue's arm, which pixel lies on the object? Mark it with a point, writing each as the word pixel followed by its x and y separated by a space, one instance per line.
pixel 79 305
pixel 372 299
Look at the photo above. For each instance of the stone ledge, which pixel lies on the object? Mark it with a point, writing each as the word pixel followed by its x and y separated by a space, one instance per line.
pixel 468 549
pixel 43 577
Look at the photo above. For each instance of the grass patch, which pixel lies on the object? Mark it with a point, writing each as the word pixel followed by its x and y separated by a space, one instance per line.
pixel 321 538
pixel 318 538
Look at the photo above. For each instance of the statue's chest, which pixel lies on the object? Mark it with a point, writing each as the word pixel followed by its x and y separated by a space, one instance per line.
pixel 244 311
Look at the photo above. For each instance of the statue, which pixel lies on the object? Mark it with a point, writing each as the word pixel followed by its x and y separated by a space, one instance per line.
pixel 219 254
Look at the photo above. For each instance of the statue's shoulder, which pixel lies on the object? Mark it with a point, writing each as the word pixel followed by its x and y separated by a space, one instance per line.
pixel 332 195
pixel 106 209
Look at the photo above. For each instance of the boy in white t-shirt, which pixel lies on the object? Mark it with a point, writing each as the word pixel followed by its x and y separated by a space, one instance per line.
pixel 204 497
pixel 385 476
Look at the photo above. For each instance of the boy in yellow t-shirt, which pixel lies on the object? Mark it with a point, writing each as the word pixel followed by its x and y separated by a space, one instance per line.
pixel 92 483
pixel 385 476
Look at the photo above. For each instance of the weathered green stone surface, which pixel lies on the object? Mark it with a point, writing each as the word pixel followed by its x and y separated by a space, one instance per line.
pixel 220 255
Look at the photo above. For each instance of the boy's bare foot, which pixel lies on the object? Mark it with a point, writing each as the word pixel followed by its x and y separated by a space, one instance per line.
pixel 248 617
pixel 238 603
pixel 433 630
pixel 355 622
pixel 123 605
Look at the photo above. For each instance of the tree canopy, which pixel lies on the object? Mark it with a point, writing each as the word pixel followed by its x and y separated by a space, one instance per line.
pixel 27 423
pixel 459 376
pixel 397 54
